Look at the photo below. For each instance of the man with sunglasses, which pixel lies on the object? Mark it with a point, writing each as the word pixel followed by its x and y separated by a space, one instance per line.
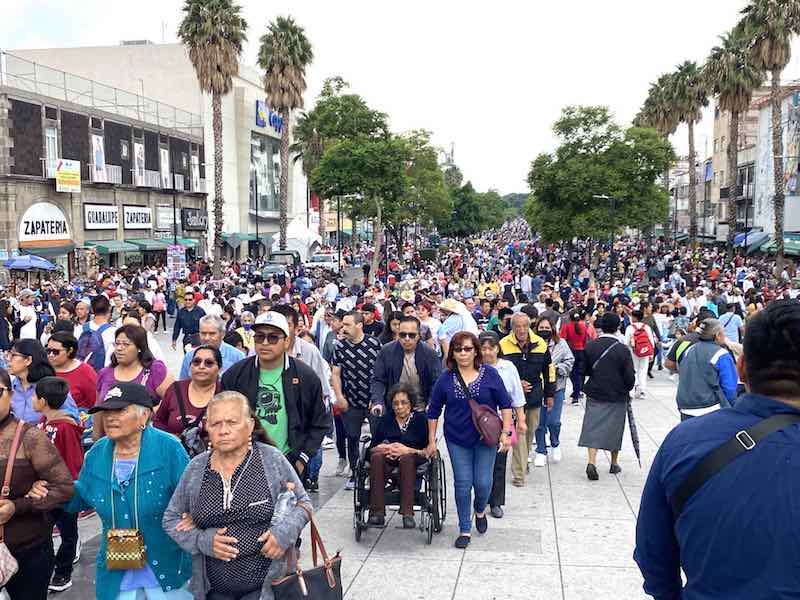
pixel 405 361
pixel 292 413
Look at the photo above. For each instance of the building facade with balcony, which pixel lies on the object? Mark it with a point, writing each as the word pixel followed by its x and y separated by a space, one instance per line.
pixel 251 132
pixel 85 166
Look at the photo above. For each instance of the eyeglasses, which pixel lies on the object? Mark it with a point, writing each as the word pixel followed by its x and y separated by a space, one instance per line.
pixel 458 349
pixel 54 351
pixel 270 338
pixel 207 362
pixel 407 335
pixel 18 355
pixel 123 345
pixel 400 402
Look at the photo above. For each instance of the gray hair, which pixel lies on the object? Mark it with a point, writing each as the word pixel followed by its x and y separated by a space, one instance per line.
pixel 520 316
pixel 213 320
pixel 142 411
pixel 247 313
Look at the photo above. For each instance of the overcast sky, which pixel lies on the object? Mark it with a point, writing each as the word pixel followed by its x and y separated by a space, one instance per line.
pixel 489 77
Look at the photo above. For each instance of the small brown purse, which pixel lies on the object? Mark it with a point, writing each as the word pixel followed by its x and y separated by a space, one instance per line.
pixel 125 547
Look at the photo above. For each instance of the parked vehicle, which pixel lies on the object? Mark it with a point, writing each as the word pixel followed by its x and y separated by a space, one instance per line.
pixel 323 262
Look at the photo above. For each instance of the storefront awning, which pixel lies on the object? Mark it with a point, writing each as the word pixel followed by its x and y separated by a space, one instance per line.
pixel 112 246
pixel 791 247
pixel 244 237
pixel 48 251
pixel 681 237
pixel 149 244
pixel 189 242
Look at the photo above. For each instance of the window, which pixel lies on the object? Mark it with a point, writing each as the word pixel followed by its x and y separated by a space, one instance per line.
pixel 265 172
pixel 51 149
pixel 716 145
pixel 722 144
pixel 722 177
pixel 124 150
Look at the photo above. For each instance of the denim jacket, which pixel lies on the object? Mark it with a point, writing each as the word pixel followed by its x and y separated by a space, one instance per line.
pixel 162 461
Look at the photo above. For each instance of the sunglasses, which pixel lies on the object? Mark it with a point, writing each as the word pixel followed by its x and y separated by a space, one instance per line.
pixel 206 362
pixel 407 335
pixel 54 351
pixel 270 338
pixel 458 349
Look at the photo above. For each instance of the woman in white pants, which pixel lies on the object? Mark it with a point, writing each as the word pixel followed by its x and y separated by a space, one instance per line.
pixel 642 350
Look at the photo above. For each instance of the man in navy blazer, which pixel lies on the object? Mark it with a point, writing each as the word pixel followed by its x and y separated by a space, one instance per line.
pixel 406 360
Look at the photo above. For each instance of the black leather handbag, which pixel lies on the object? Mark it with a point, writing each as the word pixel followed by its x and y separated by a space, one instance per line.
pixel 322 582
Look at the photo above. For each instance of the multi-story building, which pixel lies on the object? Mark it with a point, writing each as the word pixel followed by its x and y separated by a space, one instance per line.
pixel 748 134
pixel 679 198
pixel 251 132
pixel 87 165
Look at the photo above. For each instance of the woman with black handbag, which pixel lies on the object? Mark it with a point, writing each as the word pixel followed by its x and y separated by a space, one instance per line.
pixel 467 388
pixel 183 410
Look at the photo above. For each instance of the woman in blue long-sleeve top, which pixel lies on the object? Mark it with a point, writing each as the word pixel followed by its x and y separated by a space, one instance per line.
pixel 472 460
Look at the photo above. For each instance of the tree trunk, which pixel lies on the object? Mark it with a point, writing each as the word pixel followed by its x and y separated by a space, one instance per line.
pixel 322 221
pixel 353 233
pixel 668 222
pixel 733 170
pixel 216 125
pixel 284 206
pixel 376 240
pixel 777 166
pixel 692 189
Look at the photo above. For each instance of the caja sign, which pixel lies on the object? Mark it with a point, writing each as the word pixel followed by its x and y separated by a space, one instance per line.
pixel 264 116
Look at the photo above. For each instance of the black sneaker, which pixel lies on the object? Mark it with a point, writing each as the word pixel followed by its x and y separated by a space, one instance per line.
pixel 481 523
pixel 313 486
pixel 591 472
pixel 377 520
pixel 59 583
pixel 462 541
pixel 408 522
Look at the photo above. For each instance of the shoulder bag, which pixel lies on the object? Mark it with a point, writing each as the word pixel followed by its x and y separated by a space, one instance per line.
pixel 485 419
pixel 125 547
pixel 322 582
pixel 191 436
pixel 8 564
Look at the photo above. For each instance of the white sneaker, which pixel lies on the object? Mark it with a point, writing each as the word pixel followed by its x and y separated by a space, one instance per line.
pixel 555 454
pixel 328 443
pixel 341 467
pixel 540 460
pixel 78 549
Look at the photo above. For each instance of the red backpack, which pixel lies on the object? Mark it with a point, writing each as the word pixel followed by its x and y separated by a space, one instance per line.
pixel 642 345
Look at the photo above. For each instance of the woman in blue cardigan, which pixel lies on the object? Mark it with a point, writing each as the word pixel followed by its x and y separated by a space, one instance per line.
pixel 472 460
pixel 137 468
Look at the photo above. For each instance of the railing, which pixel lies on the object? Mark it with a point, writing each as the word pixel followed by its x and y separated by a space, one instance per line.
pixel 201 188
pixel 49 168
pixel 113 174
pixel 178 181
pixel 152 179
pixel 29 76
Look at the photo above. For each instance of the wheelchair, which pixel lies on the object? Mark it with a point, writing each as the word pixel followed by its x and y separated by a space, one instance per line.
pixel 430 494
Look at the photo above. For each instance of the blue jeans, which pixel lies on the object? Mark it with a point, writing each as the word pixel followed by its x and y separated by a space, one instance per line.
pixel 314 465
pixel 550 421
pixel 472 469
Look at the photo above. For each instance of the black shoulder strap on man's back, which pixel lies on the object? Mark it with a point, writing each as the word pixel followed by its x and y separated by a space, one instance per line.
pixel 724 455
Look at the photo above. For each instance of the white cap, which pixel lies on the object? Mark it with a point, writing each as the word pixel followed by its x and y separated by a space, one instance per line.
pixel 273 319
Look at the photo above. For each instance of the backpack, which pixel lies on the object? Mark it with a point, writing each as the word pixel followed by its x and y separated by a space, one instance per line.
pixel 91 348
pixel 642 345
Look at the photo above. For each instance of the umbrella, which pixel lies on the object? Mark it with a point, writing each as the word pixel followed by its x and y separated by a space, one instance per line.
pixel 634 433
pixel 29 262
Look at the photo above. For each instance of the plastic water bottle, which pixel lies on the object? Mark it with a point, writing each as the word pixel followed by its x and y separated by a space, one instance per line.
pixel 285 502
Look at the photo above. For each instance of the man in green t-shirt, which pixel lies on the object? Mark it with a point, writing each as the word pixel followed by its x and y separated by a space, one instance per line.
pixel 271 339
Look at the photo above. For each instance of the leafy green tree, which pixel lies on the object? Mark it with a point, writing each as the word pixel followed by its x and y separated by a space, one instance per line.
pixel 214 32
pixel 733 75
pixel 597 158
pixel 770 26
pixel 690 95
pixel 467 218
pixel 453 177
pixel 284 54
pixel 514 204
pixel 370 174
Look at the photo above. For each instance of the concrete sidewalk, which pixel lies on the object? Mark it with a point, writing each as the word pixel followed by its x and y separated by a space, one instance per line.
pixel 562 536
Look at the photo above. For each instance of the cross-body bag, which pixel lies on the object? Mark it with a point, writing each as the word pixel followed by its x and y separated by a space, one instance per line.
pixel 721 457
pixel 125 547
pixel 191 436
pixel 599 358
pixel 8 564
pixel 485 419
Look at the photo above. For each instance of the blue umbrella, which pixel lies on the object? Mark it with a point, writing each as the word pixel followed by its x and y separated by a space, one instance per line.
pixel 29 262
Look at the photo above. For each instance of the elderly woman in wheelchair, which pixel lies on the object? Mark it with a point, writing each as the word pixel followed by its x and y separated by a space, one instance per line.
pixel 398 443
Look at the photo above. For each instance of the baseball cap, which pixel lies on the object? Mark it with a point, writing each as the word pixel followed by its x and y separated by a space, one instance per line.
pixel 122 395
pixel 272 319
pixel 25 293
pixel 709 329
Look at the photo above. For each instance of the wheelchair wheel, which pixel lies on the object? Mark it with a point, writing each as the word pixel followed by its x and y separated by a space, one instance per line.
pixel 429 528
pixel 442 489
pixel 359 510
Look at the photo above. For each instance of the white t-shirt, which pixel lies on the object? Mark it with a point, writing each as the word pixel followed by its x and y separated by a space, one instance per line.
pixel 28 331
pixel 331 291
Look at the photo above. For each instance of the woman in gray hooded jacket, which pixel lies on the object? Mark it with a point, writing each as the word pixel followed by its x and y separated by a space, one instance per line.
pixel 226 510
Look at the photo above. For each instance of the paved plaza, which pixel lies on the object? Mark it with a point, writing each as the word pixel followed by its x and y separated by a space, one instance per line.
pixel 562 536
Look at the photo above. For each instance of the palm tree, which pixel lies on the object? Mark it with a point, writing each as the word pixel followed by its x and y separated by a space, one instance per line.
pixel 284 55
pixel 658 113
pixel 307 148
pixel 214 32
pixel 689 97
pixel 770 26
pixel 732 73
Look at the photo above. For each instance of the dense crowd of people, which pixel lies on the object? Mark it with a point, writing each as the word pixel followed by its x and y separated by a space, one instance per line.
pixel 201 478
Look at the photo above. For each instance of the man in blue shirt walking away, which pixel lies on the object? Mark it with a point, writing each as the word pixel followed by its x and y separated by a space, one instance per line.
pixel 720 501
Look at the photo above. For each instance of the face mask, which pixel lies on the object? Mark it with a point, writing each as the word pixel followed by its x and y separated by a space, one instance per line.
pixel 545 334
pixel 247 326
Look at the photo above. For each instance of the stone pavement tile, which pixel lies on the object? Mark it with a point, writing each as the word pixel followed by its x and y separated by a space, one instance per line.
pixel 602 583
pixel 410 578
pixel 634 495
pixel 587 502
pixel 574 474
pixel 410 543
pixel 336 529
pixel 508 580
pixel 596 542
pixel 514 539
